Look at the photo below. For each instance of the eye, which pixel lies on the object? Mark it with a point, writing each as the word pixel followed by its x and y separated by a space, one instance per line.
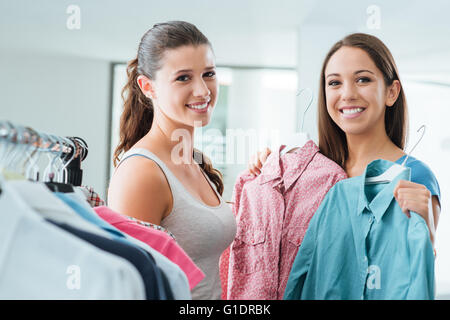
pixel 333 83
pixel 210 74
pixel 183 78
pixel 363 80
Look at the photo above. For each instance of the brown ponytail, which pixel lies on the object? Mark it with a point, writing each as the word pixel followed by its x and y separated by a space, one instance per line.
pixel 137 117
pixel 214 175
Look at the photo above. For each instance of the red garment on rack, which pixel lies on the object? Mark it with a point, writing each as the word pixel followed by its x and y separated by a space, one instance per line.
pixel 158 240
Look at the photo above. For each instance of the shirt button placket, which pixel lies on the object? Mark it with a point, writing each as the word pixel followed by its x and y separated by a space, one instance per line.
pixel 365 260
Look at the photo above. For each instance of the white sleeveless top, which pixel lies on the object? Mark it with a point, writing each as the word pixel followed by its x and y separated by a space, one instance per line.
pixel 203 231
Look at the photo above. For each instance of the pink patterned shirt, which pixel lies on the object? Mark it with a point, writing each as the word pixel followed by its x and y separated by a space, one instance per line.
pixel 272 212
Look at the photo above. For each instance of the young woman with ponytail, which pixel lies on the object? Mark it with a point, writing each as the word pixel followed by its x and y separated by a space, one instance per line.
pixel 171 89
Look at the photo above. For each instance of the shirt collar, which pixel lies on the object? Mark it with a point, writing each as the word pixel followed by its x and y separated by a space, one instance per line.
pixel 383 199
pixel 293 165
pixel 271 169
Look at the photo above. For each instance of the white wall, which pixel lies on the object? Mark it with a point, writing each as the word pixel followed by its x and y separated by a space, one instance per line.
pixel 66 96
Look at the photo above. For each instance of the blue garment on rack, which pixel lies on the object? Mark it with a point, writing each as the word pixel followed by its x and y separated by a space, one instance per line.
pixel 86 212
pixel 360 245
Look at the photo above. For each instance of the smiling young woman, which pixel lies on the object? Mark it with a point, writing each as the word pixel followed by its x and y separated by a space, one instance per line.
pixel 361 104
pixel 172 88
pixel 362 116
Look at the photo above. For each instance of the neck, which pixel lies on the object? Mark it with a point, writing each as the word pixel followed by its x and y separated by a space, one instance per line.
pixel 173 140
pixel 362 149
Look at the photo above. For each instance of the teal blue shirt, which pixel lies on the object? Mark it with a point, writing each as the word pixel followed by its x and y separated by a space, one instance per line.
pixel 360 245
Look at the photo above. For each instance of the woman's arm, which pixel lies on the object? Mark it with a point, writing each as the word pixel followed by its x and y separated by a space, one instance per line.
pixel 416 197
pixel 139 189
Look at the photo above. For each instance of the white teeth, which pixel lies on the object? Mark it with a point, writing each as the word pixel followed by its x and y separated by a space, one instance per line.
pixel 199 107
pixel 351 111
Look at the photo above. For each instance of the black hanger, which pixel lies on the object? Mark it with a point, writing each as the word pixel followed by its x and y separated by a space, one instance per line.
pixel 58 186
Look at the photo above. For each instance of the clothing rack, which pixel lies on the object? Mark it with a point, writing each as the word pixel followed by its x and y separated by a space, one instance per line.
pixel 15 140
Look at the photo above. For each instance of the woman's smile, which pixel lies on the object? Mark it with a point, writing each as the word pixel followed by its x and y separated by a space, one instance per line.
pixel 199 107
pixel 351 112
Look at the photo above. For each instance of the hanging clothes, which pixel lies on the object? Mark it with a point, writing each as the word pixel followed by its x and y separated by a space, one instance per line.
pixel 36 256
pixel 75 201
pixel 360 245
pixel 94 200
pixel 273 211
pixel 80 215
pixel 54 246
pixel 44 202
pixel 155 239
pixel 156 286
pixel 87 213
pixel 92 197
pixel 203 231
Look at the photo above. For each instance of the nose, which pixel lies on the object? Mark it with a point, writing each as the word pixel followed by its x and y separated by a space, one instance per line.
pixel 349 92
pixel 201 89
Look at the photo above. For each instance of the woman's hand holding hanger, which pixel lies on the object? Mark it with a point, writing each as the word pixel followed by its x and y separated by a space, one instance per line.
pixel 257 160
pixel 416 197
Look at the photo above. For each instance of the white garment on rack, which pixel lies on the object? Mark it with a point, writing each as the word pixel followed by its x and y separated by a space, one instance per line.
pixel 42 200
pixel 41 261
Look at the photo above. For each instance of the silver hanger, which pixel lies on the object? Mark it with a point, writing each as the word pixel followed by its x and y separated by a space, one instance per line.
pixel 422 127
pixel 74 153
pixel 298 139
pixel 32 171
pixel 307 107
pixel 395 169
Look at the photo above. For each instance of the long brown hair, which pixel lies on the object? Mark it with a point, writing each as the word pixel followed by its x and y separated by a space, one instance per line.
pixel 332 140
pixel 137 116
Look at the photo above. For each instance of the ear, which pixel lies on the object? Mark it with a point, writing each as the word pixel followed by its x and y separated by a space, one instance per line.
pixel 392 93
pixel 146 86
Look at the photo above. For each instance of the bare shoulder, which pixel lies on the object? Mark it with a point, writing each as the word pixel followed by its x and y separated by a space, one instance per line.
pixel 139 189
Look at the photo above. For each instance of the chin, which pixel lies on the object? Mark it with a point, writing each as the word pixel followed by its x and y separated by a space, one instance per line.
pixel 202 122
pixel 354 131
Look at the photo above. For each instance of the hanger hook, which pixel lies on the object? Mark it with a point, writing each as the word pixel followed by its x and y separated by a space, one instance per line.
pixel 422 127
pixel 58 155
pixel 309 104
pixel 74 149
pixel 32 171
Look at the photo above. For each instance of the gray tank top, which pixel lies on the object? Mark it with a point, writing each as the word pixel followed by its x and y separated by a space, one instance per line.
pixel 203 231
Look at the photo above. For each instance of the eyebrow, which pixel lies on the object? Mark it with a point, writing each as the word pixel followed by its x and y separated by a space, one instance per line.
pixel 356 72
pixel 190 70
